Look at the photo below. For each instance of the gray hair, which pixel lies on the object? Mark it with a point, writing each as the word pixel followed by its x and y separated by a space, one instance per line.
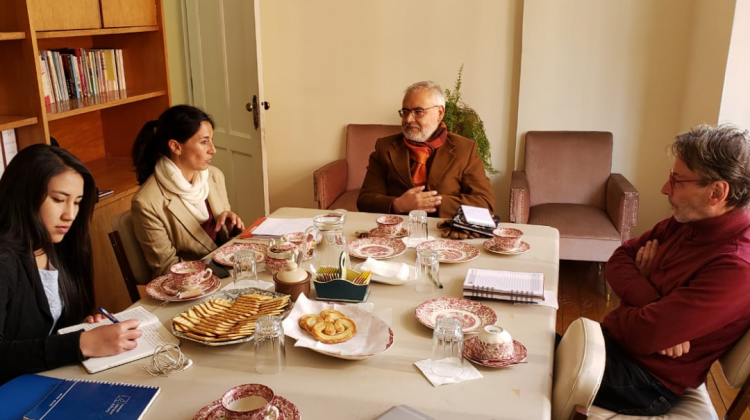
pixel 437 91
pixel 720 153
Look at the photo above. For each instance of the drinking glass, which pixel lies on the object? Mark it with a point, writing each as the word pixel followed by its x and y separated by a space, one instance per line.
pixel 270 355
pixel 417 227
pixel 447 348
pixel 245 267
pixel 427 270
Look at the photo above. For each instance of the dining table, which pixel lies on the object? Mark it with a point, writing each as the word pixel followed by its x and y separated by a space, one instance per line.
pixel 326 387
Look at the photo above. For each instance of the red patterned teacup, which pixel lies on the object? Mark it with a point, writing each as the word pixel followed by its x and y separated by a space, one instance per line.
pixel 507 238
pixel 494 343
pixel 298 239
pixel 278 254
pixel 188 275
pixel 249 402
pixel 390 225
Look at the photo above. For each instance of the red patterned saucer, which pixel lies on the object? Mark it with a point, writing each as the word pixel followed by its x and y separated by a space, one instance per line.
pixel 377 248
pixel 470 352
pixel 450 251
pixel 491 246
pixel 155 290
pixel 378 233
pixel 225 255
pixel 472 315
pixel 214 411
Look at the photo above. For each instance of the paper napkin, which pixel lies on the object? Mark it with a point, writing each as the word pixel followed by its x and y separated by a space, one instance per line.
pixel 387 272
pixel 469 373
pixel 372 328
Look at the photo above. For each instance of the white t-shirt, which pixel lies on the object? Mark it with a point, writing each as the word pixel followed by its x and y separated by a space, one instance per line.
pixel 52 290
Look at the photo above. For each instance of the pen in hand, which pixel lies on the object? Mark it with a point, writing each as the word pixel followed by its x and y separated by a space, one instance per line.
pixel 108 315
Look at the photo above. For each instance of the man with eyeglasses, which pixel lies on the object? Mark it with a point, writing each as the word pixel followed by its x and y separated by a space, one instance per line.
pixel 426 167
pixel 684 286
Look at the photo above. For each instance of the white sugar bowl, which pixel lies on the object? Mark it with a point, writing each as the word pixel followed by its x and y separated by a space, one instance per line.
pixel 492 334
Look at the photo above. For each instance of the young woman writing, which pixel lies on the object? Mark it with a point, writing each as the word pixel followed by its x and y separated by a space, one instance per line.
pixel 45 266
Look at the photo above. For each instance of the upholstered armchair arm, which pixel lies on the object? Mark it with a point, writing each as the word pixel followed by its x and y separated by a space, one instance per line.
pixel 519 198
pixel 329 182
pixel 622 204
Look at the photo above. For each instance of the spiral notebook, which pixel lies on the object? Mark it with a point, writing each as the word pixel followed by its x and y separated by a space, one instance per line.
pixel 478 216
pixel 154 335
pixel 513 286
pixel 84 399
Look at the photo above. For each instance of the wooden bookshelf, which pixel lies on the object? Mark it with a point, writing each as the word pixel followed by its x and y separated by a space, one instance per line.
pixel 99 130
pixel 95 32
pixel 11 36
pixel 73 107
pixel 8 122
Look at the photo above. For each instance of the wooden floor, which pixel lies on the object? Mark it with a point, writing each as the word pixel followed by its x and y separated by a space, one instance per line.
pixel 582 295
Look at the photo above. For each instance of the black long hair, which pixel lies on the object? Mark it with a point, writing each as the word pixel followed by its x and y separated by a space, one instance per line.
pixel 23 189
pixel 179 123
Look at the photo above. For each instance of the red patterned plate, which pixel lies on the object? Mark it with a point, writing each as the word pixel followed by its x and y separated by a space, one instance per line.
pixel 155 290
pixel 378 233
pixel 472 315
pixel 377 248
pixel 471 353
pixel 214 411
pixel 225 255
pixel 491 246
pixel 450 251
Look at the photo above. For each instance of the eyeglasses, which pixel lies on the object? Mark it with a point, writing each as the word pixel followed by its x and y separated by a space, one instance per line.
pixel 673 180
pixel 417 112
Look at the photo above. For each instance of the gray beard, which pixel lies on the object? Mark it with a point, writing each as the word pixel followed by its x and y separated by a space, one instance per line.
pixel 419 137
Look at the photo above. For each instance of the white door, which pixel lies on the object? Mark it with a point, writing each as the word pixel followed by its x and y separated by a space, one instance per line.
pixel 226 74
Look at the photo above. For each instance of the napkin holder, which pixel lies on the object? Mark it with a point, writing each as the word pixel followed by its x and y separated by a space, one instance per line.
pixel 342 290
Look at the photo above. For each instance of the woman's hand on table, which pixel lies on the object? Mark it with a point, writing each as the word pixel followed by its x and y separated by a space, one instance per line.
pixel 231 220
pixel 109 340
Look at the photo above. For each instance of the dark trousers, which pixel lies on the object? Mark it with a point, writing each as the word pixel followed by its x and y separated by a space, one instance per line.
pixel 627 388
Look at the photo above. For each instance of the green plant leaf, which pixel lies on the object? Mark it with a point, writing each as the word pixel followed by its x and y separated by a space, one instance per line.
pixel 465 121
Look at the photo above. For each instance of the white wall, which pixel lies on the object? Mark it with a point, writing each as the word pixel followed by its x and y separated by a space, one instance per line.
pixel 330 63
pixel 735 100
pixel 624 67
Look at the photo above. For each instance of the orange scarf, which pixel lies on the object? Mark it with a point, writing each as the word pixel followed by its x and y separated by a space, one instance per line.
pixel 420 153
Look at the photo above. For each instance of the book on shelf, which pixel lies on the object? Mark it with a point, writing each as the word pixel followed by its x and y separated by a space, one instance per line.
pixel 513 286
pixel 154 335
pixel 105 193
pixel 10 147
pixel 77 73
pixel 86 399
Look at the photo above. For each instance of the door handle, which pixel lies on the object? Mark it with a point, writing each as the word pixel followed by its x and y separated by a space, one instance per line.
pixel 266 105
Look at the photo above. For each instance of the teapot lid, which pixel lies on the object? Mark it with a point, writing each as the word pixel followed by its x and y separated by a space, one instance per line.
pixel 291 273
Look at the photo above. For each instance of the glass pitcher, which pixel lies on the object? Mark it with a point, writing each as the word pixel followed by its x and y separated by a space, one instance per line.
pixel 330 242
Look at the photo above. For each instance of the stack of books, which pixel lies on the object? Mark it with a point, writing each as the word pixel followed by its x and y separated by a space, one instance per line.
pixel 475 219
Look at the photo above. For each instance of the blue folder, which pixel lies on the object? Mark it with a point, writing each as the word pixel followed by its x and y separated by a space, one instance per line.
pixel 20 395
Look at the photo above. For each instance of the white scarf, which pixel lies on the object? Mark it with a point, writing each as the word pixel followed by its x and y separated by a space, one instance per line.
pixel 193 195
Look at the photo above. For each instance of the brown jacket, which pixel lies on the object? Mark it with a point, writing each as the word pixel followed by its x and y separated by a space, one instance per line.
pixel 456 173
pixel 167 231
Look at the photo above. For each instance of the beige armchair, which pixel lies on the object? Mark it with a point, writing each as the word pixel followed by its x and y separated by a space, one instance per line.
pixel 337 184
pixel 567 184
pixel 579 366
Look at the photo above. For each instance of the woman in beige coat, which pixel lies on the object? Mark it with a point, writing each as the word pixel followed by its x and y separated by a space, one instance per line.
pixel 181 211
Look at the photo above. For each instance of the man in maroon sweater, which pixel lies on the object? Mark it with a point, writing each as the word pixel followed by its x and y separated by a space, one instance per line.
pixel 684 286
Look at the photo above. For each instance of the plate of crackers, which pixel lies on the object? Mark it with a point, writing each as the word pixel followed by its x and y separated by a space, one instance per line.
pixel 229 316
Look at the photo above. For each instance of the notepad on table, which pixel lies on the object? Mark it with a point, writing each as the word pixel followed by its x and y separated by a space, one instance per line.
pixel 154 335
pixel 83 399
pixel 273 227
pixel 504 285
pixel 478 216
